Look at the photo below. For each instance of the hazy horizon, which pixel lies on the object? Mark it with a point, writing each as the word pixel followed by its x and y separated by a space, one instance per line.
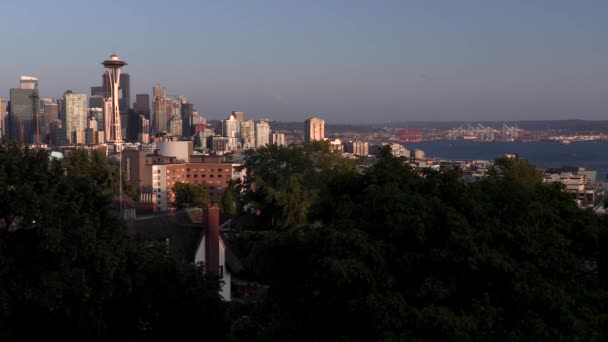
pixel 346 61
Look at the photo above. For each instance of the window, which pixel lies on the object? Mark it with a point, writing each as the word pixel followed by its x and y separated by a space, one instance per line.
pixel 211 176
pixel 227 170
pixel 202 170
pixel 219 188
pixel 195 176
pixel 210 182
pixel 158 196
pixel 211 170
pixel 211 194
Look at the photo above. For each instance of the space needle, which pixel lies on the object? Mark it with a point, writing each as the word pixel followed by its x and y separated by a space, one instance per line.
pixel 112 119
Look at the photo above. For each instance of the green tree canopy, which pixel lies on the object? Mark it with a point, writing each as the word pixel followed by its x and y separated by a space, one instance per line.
pixel 404 256
pixel 69 269
pixel 102 172
pixel 189 196
pixel 284 183
pixel 228 199
pixel 520 170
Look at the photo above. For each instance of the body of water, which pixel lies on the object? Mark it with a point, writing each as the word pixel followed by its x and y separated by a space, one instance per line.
pixel 545 154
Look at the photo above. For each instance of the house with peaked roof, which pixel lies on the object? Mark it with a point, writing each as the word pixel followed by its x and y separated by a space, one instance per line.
pixel 192 235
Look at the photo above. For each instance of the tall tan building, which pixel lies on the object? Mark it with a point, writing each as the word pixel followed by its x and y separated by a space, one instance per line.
pixel 314 129
pixel 239 116
pixel 3 115
pixel 159 106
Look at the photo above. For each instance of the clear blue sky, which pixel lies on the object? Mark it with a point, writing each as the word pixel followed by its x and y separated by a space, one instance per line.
pixel 348 61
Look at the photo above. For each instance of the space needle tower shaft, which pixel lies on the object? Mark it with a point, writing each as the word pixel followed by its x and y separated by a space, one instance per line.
pixel 113 66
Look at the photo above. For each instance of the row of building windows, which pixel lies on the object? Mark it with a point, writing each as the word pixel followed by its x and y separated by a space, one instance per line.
pixel 195 170
pixel 196 176
pixel 170 184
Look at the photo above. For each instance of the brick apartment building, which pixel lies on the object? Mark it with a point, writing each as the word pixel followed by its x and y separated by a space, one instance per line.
pixel 157 174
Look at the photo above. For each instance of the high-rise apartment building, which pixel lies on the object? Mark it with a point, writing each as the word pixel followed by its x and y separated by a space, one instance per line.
pixel 314 129
pixel 231 127
pixel 175 125
pixel 358 148
pixel 262 133
pixel 248 134
pixel 239 116
pixel 73 115
pixel 198 119
pixel 277 138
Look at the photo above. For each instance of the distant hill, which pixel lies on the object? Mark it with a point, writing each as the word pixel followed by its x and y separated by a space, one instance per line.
pixel 531 125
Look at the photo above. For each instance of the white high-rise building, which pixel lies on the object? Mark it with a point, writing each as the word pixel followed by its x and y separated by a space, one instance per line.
pixel 232 127
pixel 262 134
pixel 73 114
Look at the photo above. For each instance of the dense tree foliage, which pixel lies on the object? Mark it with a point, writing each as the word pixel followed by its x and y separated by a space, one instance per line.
pixel 282 183
pixel 228 199
pixel 95 166
pixel 68 267
pixel 394 255
pixel 385 255
pixel 189 196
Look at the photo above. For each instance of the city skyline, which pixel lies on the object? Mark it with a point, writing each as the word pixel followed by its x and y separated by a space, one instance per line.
pixel 348 62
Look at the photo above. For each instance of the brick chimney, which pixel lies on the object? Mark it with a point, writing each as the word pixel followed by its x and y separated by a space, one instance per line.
pixel 211 224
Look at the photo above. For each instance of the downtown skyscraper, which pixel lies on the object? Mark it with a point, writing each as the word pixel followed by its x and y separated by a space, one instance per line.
pixel 24 122
pixel 73 115
pixel 159 107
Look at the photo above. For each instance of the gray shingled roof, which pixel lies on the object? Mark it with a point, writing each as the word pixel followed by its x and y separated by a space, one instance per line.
pixel 184 229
